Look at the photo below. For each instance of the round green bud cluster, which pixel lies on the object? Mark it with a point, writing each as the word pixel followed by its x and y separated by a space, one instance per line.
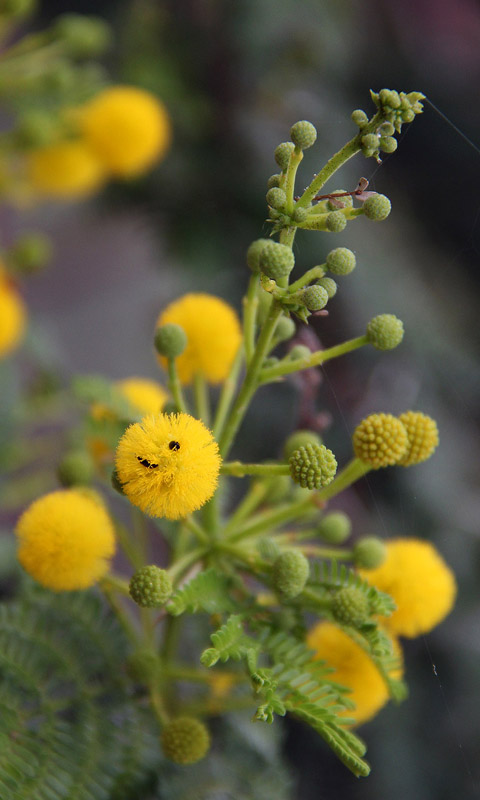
pixel 143 665
pixel 335 527
pixel 283 153
pixel 150 586
pixel 398 107
pixel 299 351
pixel 369 552
pixel 341 261
pixel 276 261
pixel 276 198
pixel 350 606
pixel 377 207
pixel 82 36
pixel 315 297
pixel 329 285
pixel 336 222
pixel 290 573
pixel 346 200
pixel 303 134
pixel 278 488
pixel 359 118
pixel 170 340
pixel 386 129
pixel 388 144
pixel 385 332
pixel 76 468
pixel 299 439
pixel 300 214
pixel 30 253
pixel 185 740
pixel 313 466
pixel 274 181
pixel 285 329
pixel 370 141
pixel 253 253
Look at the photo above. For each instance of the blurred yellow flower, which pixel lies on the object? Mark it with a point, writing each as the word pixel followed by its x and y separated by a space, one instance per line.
pixel 422 432
pixel 13 317
pixel 63 170
pixel 420 582
pixel 66 539
pixel 144 395
pixel 213 336
pixel 127 128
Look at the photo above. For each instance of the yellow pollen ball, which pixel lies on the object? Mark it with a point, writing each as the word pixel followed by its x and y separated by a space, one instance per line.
pixel 13 318
pixel 213 336
pixel 422 435
pixel 63 170
pixel 380 440
pixel 354 669
pixel 168 464
pixel 66 540
pixel 420 582
pixel 127 128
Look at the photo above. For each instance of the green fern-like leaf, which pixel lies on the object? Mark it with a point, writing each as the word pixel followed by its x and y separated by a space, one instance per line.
pixel 207 591
pixel 230 641
pixel 331 575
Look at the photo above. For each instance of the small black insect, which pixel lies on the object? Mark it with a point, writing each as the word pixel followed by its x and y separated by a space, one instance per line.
pixel 145 463
pixel 174 445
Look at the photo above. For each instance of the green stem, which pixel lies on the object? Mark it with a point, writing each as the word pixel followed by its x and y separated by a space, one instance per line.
pixel 354 470
pixel 289 184
pixel 249 503
pixel 128 546
pixel 317 358
pixel 309 276
pixel 183 673
pixel 250 307
pixel 180 566
pixel 192 525
pixel 140 535
pixel 202 400
pixel 326 552
pixel 174 385
pixel 120 612
pixel 115 584
pixel 239 470
pixel 226 395
pixel 269 520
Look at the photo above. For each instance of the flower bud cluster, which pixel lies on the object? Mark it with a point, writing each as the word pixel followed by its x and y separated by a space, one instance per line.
pixel 313 466
pixel 398 107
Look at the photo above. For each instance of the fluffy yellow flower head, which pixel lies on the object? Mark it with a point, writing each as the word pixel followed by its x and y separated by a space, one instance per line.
pixel 353 669
pixel 213 336
pixel 13 317
pixel 420 582
pixel 66 169
pixel 422 435
pixel 66 539
pixel 168 464
pixel 127 128
pixel 380 440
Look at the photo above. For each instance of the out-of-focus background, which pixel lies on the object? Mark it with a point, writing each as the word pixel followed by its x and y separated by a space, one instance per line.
pixel 235 77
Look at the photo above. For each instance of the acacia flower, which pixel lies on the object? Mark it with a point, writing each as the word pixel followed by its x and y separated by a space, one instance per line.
pixel 420 582
pixel 168 464
pixel 353 669
pixel 66 540
pixel 65 169
pixel 213 336
pixel 12 317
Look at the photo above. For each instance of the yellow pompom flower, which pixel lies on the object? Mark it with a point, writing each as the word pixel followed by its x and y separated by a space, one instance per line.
pixel 65 169
pixel 66 539
pixel 168 464
pixel 13 317
pixel 420 582
pixel 380 440
pixel 353 669
pixel 213 336
pixel 127 128
pixel 422 435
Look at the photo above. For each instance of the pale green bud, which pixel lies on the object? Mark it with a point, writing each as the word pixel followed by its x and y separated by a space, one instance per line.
pixel 253 253
pixel 300 438
pixel 303 134
pixel 313 466
pixel 290 573
pixel 329 285
pixel 276 198
pixel 274 180
pixel 300 214
pixel 346 200
pixel 299 351
pixel 350 606
pixel 341 261
pixel 283 153
pixel 276 261
pixel 170 340
pixel 388 144
pixel 386 129
pixel 377 207
pixel 370 141
pixel 315 297
pixel 335 527
pixel 359 118
pixel 150 587
pixel 336 222
pixel 385 332
pixel 369 552
pixel 76 468
pixel 185 740
pixel 285 329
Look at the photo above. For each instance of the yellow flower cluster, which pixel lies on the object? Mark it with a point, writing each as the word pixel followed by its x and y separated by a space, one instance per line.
pixel 382 440
pixel 66 540
pixel 213 336
pixel 122 132
pixel 13 316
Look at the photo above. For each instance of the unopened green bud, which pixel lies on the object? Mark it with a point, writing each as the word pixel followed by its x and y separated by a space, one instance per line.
pixel 299 439
pixel 350 606
pixel 278 488
pixel 329 285
pixel 82 36
pixel 315 297
pixel 276 198
pixel 170 340
pixel 76 468
pixel 285 329
pixel 303 134
pixel 313 466
pixel 30 253
pixel 389 98
pixel 336 222
pixel 385 332
pixel 377 207
pixel 388 144
pixel 283 153
pixel 150 587
pixel 370 141
pixel 369 552
pixel 276 261
pixel 300 214
pixel 386 129
pixel 335 527
pixel 274 180
pixel 341 261
pixel 408 115
pixel 359 117
pixel 346 200
pixel 290 573
pixel 253 253
pixel 185 740
pixel 299 351
pixel 143 665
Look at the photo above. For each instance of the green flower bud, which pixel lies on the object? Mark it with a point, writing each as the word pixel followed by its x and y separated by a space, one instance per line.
pixel 299 439
pixel 369 552
pixel 299 351
pixel 274 180
pixel 30 253
pixel 150 587
pixel 386 129
pixel 388 144
pixel 346 200
pixel 276 261
pixel 253 253
pixel 335 527
pixel 76 468
pixel 285 329
pixel 185 740
pixel 290 573
pixel 408 115
pixel 303 134
pixel 276 198
pixel 279 487
pixel 336 222
pixel 389 98
pixel 170 340
pixel 370 141
pixel 82 36
pixel 350 606
pixel 329 285
pixel 313 466
pixel 271 361
pixel 341 261
pixel 359 118
pixel 385 332
pixel 377 207
pixel 315 297
pixel 283 153
pixel 300 214
pixel 144 666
